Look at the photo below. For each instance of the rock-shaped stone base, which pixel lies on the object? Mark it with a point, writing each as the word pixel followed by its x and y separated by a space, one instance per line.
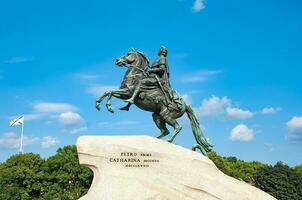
pixel 146 168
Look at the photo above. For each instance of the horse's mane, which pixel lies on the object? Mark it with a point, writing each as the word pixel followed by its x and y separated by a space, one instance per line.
pixel 144 56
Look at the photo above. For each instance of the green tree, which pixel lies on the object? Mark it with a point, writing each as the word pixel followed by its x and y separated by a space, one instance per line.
pixel 60 177
pixel 235 167
pixel 219 161
pixel 21 177
pixel 280 181
pixel 28 176
pixel 65 178
pixel 298 169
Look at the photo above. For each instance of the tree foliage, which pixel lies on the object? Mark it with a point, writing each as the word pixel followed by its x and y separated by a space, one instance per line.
pixel 60 177
pixel 236 168
pixel 280 181
pixel 299 169
pixel 21 177
pixel 66 179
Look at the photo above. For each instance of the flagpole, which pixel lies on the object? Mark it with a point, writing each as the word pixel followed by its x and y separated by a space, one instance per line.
pixel 21 139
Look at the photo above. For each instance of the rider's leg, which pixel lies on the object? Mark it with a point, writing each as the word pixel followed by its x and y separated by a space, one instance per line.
pixel 150 81
pixel 135 93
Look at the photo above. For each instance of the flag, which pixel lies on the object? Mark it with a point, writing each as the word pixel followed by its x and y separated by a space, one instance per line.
pixel 18 121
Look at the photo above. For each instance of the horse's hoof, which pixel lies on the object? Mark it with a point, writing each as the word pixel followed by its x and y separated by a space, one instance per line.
pixel 111 110
pixel 162 135
pixel 98 105
pixel 170 140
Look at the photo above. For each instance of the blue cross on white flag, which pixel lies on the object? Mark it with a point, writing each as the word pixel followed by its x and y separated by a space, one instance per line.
pixel 18 121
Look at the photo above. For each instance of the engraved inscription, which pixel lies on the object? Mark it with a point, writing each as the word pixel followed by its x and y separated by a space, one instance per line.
pixel 134 159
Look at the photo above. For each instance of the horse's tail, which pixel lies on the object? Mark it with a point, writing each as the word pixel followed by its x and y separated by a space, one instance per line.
pixel 202 143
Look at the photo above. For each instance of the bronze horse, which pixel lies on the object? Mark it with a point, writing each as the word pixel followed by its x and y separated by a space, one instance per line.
pixel 152 99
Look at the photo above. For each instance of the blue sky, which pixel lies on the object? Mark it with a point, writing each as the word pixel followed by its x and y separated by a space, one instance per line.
pixel 238 63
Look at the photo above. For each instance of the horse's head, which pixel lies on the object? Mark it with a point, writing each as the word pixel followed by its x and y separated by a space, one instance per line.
pixel 132 58
pixel 127 59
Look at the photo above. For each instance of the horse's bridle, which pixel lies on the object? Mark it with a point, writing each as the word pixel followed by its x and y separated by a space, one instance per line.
pixel 145 72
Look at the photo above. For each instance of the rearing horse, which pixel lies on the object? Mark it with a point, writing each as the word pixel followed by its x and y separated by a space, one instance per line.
pixel 152 99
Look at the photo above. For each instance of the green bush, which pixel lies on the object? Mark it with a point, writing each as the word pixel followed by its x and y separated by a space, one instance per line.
pixel 280 181
pixel 60 177
pixel 28 176
pixel 236 168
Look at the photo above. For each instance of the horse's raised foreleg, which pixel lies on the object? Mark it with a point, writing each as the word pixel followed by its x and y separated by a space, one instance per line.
pixel 121 93
pixel 108 103
pixel 100 99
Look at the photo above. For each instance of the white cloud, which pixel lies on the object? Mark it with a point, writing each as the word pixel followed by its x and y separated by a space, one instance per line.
pixel 213 106
pixel 270 110
pixel 19 59
pixel 33 116
pixel 187 98
pixel 45 109
pixel 238 113
pixel 295 123
pixel 104 125
pixel 98 90
pixel 49 141
pixel 241 133
pixel 200 76
pixel 216 106
pixel 63 113
pixel 80 129
pixel 294 126
pixel 126 123
pixel 116 125
pixel 12 140
pixel 51 107
pixel 70 118
pixel 29 117
pixel 86 77
pixel 198 6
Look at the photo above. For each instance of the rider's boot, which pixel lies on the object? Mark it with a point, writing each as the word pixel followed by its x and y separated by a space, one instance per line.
pixel 126 108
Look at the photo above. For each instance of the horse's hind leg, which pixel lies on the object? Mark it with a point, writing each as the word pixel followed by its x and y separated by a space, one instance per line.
pixel 160 123
pixel 172 122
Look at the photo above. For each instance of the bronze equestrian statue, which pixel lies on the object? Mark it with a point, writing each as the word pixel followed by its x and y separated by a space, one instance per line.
pixel 149 89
